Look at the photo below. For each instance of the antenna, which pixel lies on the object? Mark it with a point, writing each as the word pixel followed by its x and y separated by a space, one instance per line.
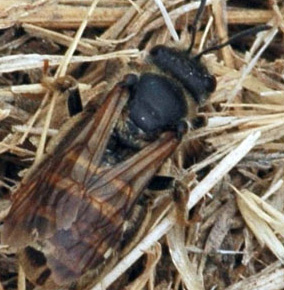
pixel 235 37
pixel 194 25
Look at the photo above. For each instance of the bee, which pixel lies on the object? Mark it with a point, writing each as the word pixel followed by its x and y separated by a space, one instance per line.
pixel 68 216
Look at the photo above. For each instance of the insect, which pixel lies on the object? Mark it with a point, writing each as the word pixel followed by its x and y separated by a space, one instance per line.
pixel 68 217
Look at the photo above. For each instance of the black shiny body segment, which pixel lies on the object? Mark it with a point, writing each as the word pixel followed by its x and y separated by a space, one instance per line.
pixel 156 103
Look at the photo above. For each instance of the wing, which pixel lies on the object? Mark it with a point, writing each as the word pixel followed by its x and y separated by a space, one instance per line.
pixel 67 169
pixel 100 215
pixel 71 211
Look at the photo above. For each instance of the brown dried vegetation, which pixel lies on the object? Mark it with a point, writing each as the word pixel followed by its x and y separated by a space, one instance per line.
pixel 232 168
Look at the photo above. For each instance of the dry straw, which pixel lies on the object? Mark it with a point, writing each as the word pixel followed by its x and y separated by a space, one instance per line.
pixel 231 170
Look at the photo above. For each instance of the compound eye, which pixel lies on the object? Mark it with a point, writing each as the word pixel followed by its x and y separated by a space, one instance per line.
pixel 156 50
pixel 210 83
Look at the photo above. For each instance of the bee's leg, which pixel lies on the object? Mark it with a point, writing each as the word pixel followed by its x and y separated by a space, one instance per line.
pixel 69 86
pixel 161 182
pixel 180 196
pixel 74 101
pixel 179 192
pixel 199 122
pixel 178 189
pixel 194 123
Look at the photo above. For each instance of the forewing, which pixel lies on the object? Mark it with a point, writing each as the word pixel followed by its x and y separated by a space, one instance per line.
pixel 72 210
pixel 98 228
pixel 43 205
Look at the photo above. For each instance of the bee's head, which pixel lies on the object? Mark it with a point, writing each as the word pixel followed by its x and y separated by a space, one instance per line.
pixel 188 68
pixel 189 71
